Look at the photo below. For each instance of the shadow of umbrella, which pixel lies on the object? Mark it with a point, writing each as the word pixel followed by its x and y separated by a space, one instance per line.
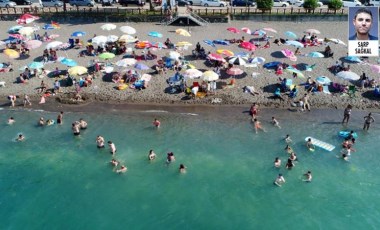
pixel 271 88
pixel 370 94
pixel 277 54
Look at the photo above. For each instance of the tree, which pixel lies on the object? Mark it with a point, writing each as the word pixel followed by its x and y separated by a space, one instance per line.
pixel 335 4
pixel 310 4
pixel 265 4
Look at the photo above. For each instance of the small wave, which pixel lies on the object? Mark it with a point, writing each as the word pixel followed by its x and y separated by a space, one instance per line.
pixel 190 114
pixel 39 110
pixel 155 111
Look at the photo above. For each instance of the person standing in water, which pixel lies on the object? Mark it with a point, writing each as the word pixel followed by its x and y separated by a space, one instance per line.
pixel 60 118
pixel 276 123
pixel 75 129
pixel 277 162
pixel 156 123
pixel 100 142
pixel 27 100
pixel 308 176
pixel 151 155
pixel 257 125
pixel 112 147
pixel 368 120
pixel 346 114
pixel 279 180
pixel 182 168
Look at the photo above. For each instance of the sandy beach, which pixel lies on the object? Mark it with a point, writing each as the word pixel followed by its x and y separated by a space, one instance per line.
pixel 264 80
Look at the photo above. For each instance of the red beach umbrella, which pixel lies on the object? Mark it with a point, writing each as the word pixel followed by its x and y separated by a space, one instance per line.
pixel 216 57
pixel 247 45
pixel 247 30
pixel 233 30
pixel 27 18
pixel 17 36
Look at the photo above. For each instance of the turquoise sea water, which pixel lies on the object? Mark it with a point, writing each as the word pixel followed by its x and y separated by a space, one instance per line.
pixel 54 180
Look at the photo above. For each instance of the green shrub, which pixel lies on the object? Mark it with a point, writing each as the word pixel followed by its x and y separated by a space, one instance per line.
pixel 310 4
pixel 264 4
pixel 335 4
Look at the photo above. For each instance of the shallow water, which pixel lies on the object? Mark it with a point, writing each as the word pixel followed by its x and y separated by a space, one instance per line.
pixel 55 179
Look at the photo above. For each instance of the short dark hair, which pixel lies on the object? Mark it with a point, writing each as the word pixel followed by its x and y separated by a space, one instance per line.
pixel 363 10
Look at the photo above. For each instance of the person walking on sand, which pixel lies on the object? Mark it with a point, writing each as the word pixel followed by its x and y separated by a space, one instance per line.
pixel 347 114
pixel 60 118
pixel 12 99
pixel 368 120
pixel 27 100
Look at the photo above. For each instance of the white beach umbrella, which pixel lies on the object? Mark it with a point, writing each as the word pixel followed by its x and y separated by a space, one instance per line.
pixel 108 26
pixel 258 60
pixel 348 75
pixel 126 62
pixel 174 55
pixel 26 30
pixel 127 38
pixel 127 30
pixel 53 45
pixel 99 40
pixel 210 76
pixel 238 60
pixel 112 38
pixel 192 73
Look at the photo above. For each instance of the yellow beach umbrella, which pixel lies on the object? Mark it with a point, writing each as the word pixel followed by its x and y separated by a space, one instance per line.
pixel 183 32
pixel 183 44
pixel 26 30
pixel 210 76
pixel 11 53
pixel 228 53
pixel 77 70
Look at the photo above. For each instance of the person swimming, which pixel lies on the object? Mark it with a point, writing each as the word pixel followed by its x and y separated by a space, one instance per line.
pixel 122 169
pixel 151 155
pixel 288 139
pixel 279 180
pixel 257 125
pixel 114 162
pixel 41 122
pixel 100 142
pixel 288 149
pixel 182 168
pixel 289 164
pixel 275 122
pixel 20 137
pixel 277 162
pixel 11 121
pixel 75 129
pixel 170 157
pixel 82 124
pixel 308 176
pixel 156 123
pixel 309 145
pixel 293 157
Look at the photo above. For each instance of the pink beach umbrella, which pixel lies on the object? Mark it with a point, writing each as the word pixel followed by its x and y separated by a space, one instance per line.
pixel 216 57
pixel 33 44
pixel 247 30
pixel 233 30
pixel 287 52
pixel 27 18
pixel 270 30
pixel 17 36
pixel 247 45
pixel 234 71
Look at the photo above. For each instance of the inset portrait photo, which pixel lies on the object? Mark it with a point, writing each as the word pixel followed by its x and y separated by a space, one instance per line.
pixel 363 23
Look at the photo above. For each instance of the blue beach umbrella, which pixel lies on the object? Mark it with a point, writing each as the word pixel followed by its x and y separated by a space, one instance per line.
pixel 209 42
pixel 294 70
pixel 353 59
pixel 36 65
pixel 315 55
pixel 141 66
pixel 271 64
pixel 221 42
pixel 48 27
pixel 155 34
pixel 241 54
pixel 295 44
pixel 290 34
pixel 323 80
pixel 78 34
pixel 14 29
pixel 69 62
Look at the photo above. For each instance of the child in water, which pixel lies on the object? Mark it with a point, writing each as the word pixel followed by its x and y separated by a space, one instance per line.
pixel 310 145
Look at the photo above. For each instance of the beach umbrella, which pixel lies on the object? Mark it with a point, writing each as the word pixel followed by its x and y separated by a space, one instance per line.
pixel 233 30
pixel 106 55
pixel 210 75
pixel 192 73
pixel 270 30
pixel 14 29
pixel 221 42
pixel 228 53
pixel 65 45
pixel 48 27
pixel 160 45
pixel 126 62
pixel 143 45
pixel 36 65
pixel 127 30
pixel 17 36
pixel 26 19
pixel 141 66
pixel 112 38
pixel 290 34
pixel 53 36
pixel 179 44
pixel 108 26
pixel 155 34
pixel 78 34
pixel 69 62
pixel 271 64
pixel 315 55
pixel 259 33
pixel 375 68
pixel 127 38
pixel 108 69
pixel 353 59
pixel 26 30
pixel 182 32
pixel 293 70
pixel 287 53
pixel 247 45
pixel 53 45
pixel 209 42
pixel 101 39
pixel 348 75
pixel 323 80
pixel 234 71
pixel 246 30
pixel 296 44
pixel 215 57
pixel 334 40
pixel 174 55
pixel 77 70
pixel 237 60
pixel 312 31
pixel 258 60
pixel 33 44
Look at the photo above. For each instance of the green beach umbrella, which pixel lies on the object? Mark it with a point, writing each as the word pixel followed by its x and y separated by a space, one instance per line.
pixel 106 55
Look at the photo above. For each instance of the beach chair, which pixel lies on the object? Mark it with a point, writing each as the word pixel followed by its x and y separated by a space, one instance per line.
pixel 351 91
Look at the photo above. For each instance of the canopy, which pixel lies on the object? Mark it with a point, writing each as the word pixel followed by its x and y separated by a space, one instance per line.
pixel 215 57
pixel 192 73
pixel 348 75
pixel 108 26
pixel 78 34
pixel 290 34
pixel 69 62
pixel 106 55
pixel 237 60
pixel 233 30
pixel 33 44
pixel 234 71
pixel 53 45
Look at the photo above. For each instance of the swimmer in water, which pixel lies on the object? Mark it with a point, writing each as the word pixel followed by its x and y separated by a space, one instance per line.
pixel 257 125
pixel 122 169
pixel 114 162
pixel 41 122
pixel 308 176
pixel 75 129
pixel 293 157
pixel 288 149
pixel 276 123
pixel 156 123
pixel 310 145
pixel 170 157
pixel 279 180
pixel 11 121
pixel 289 164
pixel 182 168
pixel 277 162
pixel 49 122
pixel 112 147
pixel 82 124
pixel 287 139
pixel 151 155
pixel 20 137
pixel 100 142
pixel 345 157
pixel 60 118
